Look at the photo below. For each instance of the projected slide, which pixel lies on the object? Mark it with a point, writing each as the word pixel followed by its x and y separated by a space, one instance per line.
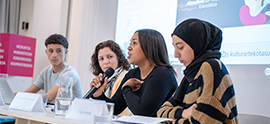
pixel 245 24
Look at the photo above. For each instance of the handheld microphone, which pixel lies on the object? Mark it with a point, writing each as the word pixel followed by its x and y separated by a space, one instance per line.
pixel 108 73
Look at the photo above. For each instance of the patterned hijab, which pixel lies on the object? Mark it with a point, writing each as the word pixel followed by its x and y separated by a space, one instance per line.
pixel 205 40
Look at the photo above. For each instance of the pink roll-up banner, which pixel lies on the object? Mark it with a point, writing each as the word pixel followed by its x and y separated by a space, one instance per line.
pixel 17 55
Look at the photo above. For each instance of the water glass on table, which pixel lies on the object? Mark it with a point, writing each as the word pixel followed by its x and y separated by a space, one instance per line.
pixel 64 96
pixel 106 114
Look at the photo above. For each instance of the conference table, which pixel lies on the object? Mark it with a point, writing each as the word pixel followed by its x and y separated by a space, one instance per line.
pixel 23 117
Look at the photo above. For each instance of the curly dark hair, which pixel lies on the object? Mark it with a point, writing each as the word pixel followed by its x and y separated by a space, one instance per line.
pixel 122 61
pixel 56 39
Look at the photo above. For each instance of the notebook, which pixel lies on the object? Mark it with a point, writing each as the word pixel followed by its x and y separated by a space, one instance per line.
pixel 6 91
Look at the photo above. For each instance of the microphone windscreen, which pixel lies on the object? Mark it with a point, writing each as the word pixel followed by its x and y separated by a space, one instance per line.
pixel 109 72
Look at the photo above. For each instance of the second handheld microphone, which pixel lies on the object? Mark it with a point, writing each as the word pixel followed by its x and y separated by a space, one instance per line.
pixel 108 73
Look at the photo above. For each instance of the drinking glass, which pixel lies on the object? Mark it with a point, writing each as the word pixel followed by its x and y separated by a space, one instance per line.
pixel 105 116
pixel 64 96
pixel 45 98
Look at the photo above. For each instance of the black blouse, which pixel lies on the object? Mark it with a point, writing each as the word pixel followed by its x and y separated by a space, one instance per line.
pixel 157 88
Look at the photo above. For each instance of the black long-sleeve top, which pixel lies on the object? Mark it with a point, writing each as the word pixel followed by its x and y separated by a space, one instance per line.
pixel 157 88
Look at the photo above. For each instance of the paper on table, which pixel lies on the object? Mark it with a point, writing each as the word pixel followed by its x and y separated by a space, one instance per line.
pixel 141 119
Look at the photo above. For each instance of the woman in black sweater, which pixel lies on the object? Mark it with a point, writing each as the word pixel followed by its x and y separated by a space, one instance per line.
pixel 145 88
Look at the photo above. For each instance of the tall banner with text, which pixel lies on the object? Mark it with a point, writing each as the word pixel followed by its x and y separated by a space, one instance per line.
pixel 17 54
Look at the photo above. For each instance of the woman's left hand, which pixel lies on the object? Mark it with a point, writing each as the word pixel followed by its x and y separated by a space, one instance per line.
pixel 188 112
pixel 134 83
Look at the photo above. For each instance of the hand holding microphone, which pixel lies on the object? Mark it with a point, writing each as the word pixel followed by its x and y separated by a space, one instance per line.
pixel 108 73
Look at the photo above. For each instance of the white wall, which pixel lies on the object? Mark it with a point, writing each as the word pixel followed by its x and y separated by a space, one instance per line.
pixel 26 15
pixel 90 22
pixel 252 89
pixel 45 17
pixel 85 23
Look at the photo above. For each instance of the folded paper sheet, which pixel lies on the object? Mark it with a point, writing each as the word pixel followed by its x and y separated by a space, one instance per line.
pixel 84 109
pixel 31 102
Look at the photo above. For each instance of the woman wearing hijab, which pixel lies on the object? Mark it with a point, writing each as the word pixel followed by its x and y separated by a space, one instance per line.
pixel 206 94
pixel 145 88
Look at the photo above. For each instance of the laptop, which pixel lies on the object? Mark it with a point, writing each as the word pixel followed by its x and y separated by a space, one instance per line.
pixel 6 91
